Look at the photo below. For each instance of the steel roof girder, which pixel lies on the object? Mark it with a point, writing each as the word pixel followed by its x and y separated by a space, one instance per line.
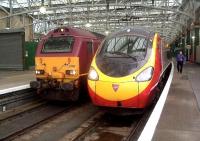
pixel 100 5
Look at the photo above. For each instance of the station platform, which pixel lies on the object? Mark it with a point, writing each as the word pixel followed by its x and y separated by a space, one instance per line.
pixel 10 79
pixel 180 118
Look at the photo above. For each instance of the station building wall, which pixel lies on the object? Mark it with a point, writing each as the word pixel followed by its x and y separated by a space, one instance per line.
pixel 3 23
pixel 21 21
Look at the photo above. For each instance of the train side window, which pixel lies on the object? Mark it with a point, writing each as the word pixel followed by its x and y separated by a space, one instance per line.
pixel 90 47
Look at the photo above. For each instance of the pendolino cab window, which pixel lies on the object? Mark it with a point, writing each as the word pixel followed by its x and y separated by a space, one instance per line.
pixel 129 45
pixel 62 44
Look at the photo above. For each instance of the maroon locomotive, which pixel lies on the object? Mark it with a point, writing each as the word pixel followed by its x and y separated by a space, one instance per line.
pixel 62 62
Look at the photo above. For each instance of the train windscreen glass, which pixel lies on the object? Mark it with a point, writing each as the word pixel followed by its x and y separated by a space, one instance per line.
pixel 128 46
pixel 62 44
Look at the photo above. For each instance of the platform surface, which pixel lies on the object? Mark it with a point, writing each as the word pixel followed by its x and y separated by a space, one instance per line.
pixel 15 78
pixel 180 119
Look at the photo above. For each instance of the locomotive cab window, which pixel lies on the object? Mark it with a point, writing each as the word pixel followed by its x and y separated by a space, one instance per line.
pixel 62 44
pixel 127 46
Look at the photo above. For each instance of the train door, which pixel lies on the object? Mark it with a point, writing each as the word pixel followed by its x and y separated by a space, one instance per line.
pixel 86 52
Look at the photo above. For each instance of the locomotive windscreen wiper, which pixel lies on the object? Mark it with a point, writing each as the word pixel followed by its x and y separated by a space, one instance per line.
pixel 124 54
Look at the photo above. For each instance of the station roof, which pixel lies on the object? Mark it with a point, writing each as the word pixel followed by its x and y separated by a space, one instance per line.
pixel 168 17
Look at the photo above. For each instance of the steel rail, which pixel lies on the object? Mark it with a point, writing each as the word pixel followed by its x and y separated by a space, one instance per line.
pixel 13 134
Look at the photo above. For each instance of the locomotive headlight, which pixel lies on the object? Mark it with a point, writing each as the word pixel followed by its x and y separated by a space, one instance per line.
pixel 39 72
pixel 71 72
pixel 145 75
pixel 93 75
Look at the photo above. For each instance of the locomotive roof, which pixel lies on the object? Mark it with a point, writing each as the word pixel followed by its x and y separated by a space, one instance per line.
pixel 141 31
pixel 72 31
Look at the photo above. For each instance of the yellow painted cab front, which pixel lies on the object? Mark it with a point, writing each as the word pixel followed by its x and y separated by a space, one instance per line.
pixel 57 69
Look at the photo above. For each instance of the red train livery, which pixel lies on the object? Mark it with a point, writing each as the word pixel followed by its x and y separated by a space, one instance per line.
pixel 62 62
pixel 127 68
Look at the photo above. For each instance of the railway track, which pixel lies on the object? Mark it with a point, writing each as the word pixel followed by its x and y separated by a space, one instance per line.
pixel 15 103
pixel 94 123
pixel 104 126
pixel 17 111
pixel 101 126
pixel 11 128
pixel 137 127
pixel 25 111
pixel 17 98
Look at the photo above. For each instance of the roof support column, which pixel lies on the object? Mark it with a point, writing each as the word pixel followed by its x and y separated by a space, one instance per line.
pixel 49 3
pixel 10 14
pixel 29 4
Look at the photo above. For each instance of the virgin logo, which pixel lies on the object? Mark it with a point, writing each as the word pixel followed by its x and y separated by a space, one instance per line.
pixel 115 87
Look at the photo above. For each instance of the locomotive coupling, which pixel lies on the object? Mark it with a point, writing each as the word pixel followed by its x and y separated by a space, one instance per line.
pixel 67 86
pixel 35 84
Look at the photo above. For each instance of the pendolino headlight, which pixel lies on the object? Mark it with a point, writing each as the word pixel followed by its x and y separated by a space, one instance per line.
pixel 93 75
pixel 71 72
pixel 39 72
pixel 145 75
